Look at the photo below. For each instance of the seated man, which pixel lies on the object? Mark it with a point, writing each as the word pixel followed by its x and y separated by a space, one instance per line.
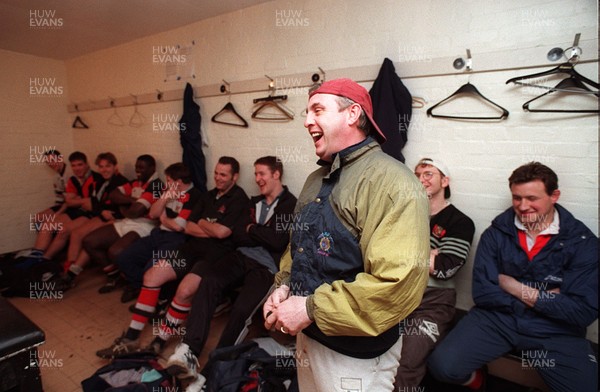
pixel 450 240
pixel 103 210
pixel 210 227
pixel 79 193
pixel 45 220
pixel 134 200
pixel 535 288
pixel 251 267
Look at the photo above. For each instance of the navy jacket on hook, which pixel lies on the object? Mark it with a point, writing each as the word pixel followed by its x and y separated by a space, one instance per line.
pixel 189 136
pixel 392 109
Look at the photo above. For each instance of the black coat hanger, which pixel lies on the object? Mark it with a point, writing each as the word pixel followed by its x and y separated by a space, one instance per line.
pixel 271 101
pixel 469 89
pixel 570 84
pixel 78 123
pixel 228 108
pixel 566 68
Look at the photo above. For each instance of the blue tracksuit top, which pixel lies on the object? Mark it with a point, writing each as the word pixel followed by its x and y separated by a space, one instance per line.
pixel 569 261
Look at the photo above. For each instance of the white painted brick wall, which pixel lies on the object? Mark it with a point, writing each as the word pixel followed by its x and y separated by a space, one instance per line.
pixel 338 34
pixel 29 123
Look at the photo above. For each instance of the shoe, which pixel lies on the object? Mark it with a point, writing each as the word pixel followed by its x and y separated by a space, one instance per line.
pixel 111 284
pixel 197 385
pixel 63 283
pixel 120 347
pixel 161 310
pixel 155 347
pixel 30 261
pixel 223 307
pixel 130 293
pixel 183 363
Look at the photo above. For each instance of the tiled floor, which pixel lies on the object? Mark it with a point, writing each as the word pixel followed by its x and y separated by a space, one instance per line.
pixel 80 323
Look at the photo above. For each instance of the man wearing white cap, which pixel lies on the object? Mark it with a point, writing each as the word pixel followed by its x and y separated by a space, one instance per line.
pixel 450 240
pixel 357 262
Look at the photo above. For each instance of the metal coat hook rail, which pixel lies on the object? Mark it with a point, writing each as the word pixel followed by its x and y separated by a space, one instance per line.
pixel 498 61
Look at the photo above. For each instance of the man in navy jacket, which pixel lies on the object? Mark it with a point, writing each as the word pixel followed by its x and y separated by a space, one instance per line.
pixel 535 288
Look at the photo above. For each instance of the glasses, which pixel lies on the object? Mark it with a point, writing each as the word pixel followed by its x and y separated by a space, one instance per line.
pixel 426 175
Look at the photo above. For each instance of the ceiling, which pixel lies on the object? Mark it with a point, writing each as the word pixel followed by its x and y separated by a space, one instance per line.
pixel 64 29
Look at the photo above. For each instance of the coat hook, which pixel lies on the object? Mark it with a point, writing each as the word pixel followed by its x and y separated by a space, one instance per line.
pixel 272 83
pixel 469 60
pixel 225 87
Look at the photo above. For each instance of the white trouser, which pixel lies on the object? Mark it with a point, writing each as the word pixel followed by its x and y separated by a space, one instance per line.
pixel 321 369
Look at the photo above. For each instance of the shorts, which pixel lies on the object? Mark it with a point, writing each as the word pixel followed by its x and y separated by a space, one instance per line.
pixel 141 226
pixel 74 213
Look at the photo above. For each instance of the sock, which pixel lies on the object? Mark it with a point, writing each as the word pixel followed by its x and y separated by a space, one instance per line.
pixel 74 271
pixel 146 304
pixel 36 253
pixel 176 315
pixel 476 380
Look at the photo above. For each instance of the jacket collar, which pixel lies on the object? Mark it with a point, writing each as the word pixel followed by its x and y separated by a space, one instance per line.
pixel 350 154
pixel 568 224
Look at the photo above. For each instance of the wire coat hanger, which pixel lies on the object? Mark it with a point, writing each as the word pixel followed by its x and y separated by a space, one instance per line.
pixel 114 118
pixel 137 119
pixel 468 89
pixel 229 108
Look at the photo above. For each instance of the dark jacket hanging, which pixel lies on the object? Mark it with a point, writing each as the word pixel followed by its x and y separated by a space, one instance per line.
pixel 189 136
pixel 392 109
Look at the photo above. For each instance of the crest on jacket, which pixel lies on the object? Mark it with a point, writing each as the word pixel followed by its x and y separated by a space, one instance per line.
pixel 438 231
pixel 325 243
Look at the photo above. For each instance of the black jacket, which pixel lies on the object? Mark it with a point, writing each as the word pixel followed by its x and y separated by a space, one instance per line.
pixel 274 235
pixel 392 109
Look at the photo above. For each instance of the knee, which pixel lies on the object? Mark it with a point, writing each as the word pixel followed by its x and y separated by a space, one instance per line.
pixel 64 233
pixel 186 290
pixel 444 367
pixel 155 277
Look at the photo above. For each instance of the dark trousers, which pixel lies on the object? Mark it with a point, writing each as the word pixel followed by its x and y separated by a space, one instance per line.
pixel 423 329
pixel 136 259
pixel 232 271
pixel 565 363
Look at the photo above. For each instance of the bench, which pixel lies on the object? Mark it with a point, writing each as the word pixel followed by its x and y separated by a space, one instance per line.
pixel 19 338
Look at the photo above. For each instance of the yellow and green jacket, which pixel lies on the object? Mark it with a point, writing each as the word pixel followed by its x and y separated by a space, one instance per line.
pixel 359 250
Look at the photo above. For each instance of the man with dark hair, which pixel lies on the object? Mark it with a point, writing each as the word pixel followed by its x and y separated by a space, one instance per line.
pixel 535 288
pixel 358 257
pixel 103 211
pixel 209 227
pixel 134 200
pixel 451 233
pixel 263 237
pixel 79 193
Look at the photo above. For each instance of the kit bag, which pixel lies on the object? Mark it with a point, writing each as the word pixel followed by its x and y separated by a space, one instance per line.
pixel 247 368
pixel 135 373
